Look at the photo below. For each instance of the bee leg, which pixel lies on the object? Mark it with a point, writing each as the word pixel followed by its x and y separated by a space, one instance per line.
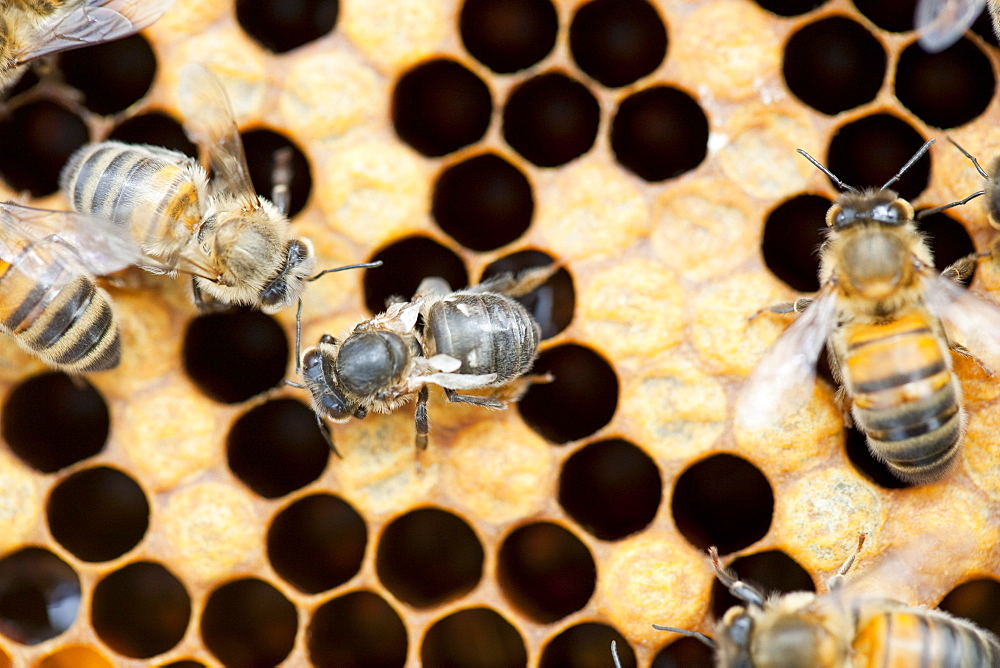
pixel 325 432
pixel 199 300
pixel 520 284
pixel 838 578
pixel 961 269
pixel 515 389
pixel 797 306
pixel 488 402
pixel 965 352
pixel 420 418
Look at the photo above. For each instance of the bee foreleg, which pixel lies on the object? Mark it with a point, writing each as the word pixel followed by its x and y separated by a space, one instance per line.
pixel 520 284
pixel 961 269
pixel 324 430
pixel 797 306
pixel 838 578
pixel 487 402
pixel 420 418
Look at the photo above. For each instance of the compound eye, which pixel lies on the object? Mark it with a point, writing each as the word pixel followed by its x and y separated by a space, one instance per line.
pixel 312 358
pixel 335 406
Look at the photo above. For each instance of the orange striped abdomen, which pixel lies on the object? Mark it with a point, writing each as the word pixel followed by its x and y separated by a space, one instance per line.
pixel 915 637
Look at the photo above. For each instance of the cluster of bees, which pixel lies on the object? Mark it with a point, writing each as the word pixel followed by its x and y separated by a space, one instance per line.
pixel 889 319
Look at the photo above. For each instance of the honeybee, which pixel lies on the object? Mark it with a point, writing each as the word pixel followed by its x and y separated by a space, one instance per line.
pixel 880 310
pixel 478 337
pixel 942 22
pixel 49 302
pixel 835 630
pixel 236 245
pixel 30 29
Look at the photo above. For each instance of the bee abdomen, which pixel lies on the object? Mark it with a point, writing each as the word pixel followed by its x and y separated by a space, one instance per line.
pixel 924 638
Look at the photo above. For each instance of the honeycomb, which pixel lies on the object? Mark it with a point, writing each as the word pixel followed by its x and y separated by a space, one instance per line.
pixel 183 510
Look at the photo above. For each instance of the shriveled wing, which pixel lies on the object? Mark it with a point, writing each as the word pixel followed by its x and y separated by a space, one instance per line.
pixel 941 23
pixel 400 317
pixel 974 319
pixel 210 123
pixel 783 380
pixel 92 22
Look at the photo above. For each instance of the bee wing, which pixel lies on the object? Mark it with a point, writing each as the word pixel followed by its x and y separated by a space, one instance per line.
pixel 976 320
pixel 782 381
pixel 211 124
pixel 91 22
pixel 942 22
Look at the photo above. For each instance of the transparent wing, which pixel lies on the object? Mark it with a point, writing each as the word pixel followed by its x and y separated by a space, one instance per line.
pixel 942 22
pixel 210 123
pixel 783 380
pixel 975 320
pixel 92 22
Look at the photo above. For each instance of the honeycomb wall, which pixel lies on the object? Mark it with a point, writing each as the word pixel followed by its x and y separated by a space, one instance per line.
pixel 183 509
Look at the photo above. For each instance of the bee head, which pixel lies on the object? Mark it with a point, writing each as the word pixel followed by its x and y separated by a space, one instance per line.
pixel 882 207
pixel 284 288
pixel 317 375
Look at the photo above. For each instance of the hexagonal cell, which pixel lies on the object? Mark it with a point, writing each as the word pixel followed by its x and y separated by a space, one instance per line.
pixel 770 571
pixel 52 421
pixel 685 653
pixel 792 232
pixel 49 134
pixel 508 35
pixel 280 25
pixel 975 600
pixel 248 622
pixel 140 610
pixel 112 76
pixel 945 89
pixel 551 304
pixel 617 42
pixel 586 644
pixel 262 150
pixel 39 595
pixel 446 643
pixel 406 263
pixel 155 128
pixel 357 629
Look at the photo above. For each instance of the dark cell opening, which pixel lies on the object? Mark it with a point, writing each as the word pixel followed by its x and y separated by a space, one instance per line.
pixel 834 64
pixel 948 240
pixel 276 448
pixel 406 263
pixel 581 398
pixel 705 511
pixel 429 556
pixel 975 600
pixel 945 89
pixel 112 76
pixel 317 543
pixel 283 25
pixel 685 653
pixel 546 572
pixel 47 133
pixel 357 630
pixel 262 148
pixel 891 15
pixel 39 596
pixel 611 488
pixel 483 202
pixel 771 571
pixel 156 128
pixel 98 514
pixel 440 106
pixel 551 119
pixel 52 421
pixel 659 133
pixel 790 7
pixel 508 35
pixel 473 637
pixel 586 645
pixel 867 464
pixel 235 355
pixel 793 233
pixel 552 303
pixel 868 152
pixel 249 623
pixel 140 610
pixel 617 41
pixel 184 663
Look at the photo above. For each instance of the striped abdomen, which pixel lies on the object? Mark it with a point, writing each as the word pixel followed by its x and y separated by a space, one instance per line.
pixel 488 333
pixel 61 316
pixel 915 637
pixel 156 193
pixel 906 398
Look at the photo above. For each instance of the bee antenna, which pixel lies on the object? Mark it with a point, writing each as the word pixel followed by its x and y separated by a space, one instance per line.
pixel 971 157
pixel 909 163
pixel 614 654
pixel 939 209
pixel 298 338
pixel 700 637
pixel 741 590
pixel 833 177
pixel 294 384
pixel 364 265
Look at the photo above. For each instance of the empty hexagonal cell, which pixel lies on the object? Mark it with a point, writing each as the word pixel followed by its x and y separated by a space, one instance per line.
pixel 483 202
pixel 866 153
pixel 98 514
pixel 357 629
pixel 234 355
pixel 581 398
pixel 545 571
pixel 790 7
pixel 508 35
pixel 834 64
pixel 497 642
pixel 112 76
pixel 975 600
pixel 551 119
pixel 280 25
pixel 277 448
pixel 440 106
pixel 770 571
pixel 891 16
pixel 140 610
pixel 429 556
pixel 659 133
pixel 39 595
pixel 586 644
pixel 49 134
pixel 612 488
pixel 792 232
pixel 263 148
pixel 945 89
pixel 317 543
pixel 405 264
pixel 730 516
pixel 248 622
pixel 52 421
pixel 685 653
pixel 550 304
pixel 156 128
pixel 617 41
